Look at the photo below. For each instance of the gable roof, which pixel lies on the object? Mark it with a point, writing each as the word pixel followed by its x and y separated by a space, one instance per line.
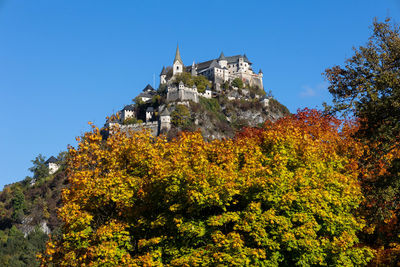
pixel 234 59
pixel 145 94
pixel 163 71
pixel 222 57
pixel 52 159
pixel 129 107
pixel 148 88
pixel 165 112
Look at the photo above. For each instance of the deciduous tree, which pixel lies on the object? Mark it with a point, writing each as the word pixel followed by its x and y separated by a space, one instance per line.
pixel 282 195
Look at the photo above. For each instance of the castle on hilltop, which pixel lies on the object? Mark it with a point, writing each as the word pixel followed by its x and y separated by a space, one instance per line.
pixel 219 70
pixel 153 108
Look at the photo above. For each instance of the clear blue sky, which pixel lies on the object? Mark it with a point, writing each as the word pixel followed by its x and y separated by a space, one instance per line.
pixel 64 63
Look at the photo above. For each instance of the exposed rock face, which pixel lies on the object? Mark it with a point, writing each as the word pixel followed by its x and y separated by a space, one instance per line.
pixel 220 117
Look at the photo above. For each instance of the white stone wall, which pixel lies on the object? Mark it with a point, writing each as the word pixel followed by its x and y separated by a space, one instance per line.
pixel 163 79
pixel 177 68
pixel 165 123
pixel 206 94
pixel 53 167
pixel 182 94
pixel 126 114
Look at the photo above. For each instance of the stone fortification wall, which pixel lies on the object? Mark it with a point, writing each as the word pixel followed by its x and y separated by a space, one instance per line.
pixel 152 126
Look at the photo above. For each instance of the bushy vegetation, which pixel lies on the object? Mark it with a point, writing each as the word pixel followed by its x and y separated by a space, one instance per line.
pixel 368 87
pixel 200 81
pixel 18 250
pixel 25 206
pixel 275 106
pixel 181 117
pixel 132 120
pixel 282 195
pixel 237 82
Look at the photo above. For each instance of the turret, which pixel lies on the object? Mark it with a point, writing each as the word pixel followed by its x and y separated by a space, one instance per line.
pixel 222 60
pixel 181 85
pixel 194 70
pixel 149 114
pixel 260 73
pixel 163 76
pixel 178 63
pixel 165 120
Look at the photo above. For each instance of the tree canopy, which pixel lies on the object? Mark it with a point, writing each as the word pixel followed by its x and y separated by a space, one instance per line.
pixel 368 87
pixel 281 195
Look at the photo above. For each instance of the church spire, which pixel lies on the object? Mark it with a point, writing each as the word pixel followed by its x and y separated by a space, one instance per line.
pixel 178 55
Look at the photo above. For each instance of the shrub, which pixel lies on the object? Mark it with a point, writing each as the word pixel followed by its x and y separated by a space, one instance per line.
pixel 282 195
pixel 237 82
pixel 180 117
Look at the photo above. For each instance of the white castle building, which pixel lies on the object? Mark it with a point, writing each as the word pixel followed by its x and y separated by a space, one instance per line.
pixel 217 70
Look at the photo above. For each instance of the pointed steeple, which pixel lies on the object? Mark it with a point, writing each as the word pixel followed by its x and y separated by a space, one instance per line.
pixel 163 71
pixel 221 57
pixel 178 55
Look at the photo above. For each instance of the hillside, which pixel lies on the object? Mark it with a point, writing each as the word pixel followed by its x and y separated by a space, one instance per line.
pixel 217 116
pixel 28 209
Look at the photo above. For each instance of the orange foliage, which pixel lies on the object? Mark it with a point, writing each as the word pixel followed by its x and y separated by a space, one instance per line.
pixel 284 195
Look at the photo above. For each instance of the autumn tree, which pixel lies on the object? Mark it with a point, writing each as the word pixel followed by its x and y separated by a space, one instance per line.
pixel 368 87
pixel 282 195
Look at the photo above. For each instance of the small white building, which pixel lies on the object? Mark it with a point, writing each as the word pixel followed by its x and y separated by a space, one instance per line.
pixel 165 120
pixel 127 112
pixel 52 164
pixel 147 93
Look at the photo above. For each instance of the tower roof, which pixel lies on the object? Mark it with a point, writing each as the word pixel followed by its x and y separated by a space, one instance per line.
pixel 165 112
pixel 148 88
pixel 178 55
pixel 52 159
pixel 163 71
pixel 130 107
pixel 260 71
pixel 222 57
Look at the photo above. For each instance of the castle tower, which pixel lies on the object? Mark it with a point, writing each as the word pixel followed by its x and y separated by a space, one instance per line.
pixel 149 114
pixel 178 63
pixel 194 71
pixel 222 61
pixel 165 120
pixel 163 76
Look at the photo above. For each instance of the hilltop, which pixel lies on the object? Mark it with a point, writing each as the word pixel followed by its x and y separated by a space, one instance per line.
pixel 217 97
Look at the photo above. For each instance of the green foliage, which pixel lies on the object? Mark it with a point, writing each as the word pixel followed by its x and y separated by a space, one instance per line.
pixel 212 106
pixel 255 90
pixel 237 82
pixel 225 85
pixel 18 204
pixel 200 81
pixel 180 117
pixel 39 168
pixel 17 250
pixel 138 101
pixel 368 87
pixel 131 120
pixel 275 106
pixel 184 77
pixel 26 205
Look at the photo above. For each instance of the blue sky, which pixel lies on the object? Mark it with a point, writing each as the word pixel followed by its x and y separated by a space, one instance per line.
pixel 64 63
